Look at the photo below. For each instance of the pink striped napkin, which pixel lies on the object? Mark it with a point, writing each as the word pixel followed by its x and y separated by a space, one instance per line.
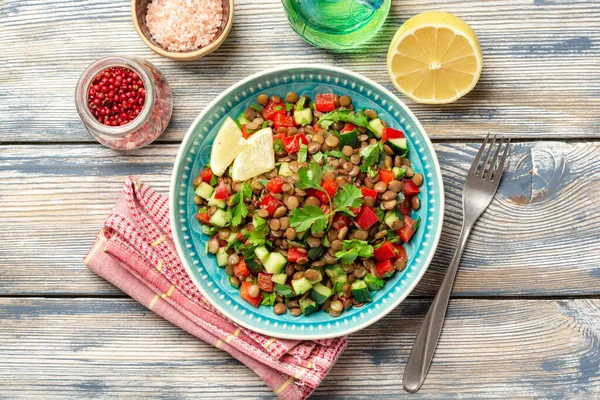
pixel 134 251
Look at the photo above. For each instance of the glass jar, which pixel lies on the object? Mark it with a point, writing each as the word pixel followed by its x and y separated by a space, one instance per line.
pixel 149 123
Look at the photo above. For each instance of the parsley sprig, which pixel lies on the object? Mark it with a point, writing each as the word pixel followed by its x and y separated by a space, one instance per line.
pixel 237 207
pixel 352 249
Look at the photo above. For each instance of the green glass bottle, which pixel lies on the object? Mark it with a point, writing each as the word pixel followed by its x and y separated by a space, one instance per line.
pixel 336 24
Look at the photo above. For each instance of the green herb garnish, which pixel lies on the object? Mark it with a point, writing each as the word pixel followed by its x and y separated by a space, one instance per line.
pixel 370 156
pixel 300 104
pixel 302 153
pixel 237 206
pixel 357 118
pixel 258 236
pixel 277 145
pixel 349 196
pixel 278 108
pixel 352 249
pixel 309 217
pixel 268 299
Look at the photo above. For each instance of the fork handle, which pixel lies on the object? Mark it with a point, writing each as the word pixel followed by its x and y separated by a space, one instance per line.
pixel 427 338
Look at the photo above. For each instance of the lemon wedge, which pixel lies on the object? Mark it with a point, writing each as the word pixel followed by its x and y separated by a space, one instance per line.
pixel 434 58
pixel 256 158
pixel 228 143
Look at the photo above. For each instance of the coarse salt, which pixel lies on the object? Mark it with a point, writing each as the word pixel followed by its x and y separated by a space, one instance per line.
pixel 184 25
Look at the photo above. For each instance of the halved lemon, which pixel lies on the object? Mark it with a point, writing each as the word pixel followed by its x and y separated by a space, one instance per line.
pixel 434 58
pixel 257 157
pixel 228 143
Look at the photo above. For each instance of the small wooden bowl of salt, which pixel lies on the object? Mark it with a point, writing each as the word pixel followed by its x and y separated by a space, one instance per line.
pixel 183 30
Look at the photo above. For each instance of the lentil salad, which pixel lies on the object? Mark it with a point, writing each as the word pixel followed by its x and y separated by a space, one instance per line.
pixel 325 227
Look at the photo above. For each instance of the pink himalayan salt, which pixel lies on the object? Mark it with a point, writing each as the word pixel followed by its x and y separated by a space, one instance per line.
pixel 184 25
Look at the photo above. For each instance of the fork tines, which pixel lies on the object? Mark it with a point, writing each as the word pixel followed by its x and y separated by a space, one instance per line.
pixel 490 170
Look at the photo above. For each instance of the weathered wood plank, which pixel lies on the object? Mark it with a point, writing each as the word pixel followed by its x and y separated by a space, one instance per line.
pixel 84 348
pixel 539 237
pixel 539 78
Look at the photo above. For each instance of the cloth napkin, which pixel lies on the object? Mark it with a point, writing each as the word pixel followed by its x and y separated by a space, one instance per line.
pixel 134 251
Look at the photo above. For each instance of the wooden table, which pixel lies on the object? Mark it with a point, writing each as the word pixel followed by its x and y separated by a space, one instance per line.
pixel 524 320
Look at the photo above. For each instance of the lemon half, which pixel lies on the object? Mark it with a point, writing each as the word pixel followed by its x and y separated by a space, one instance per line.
pixel 434 58
pixel 228 143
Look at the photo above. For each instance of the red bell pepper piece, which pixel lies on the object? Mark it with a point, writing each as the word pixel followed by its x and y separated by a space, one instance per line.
pixel 400 252
pixel 294 254
pixel 389 133
pixel 410 189
pixel 291 144
pixel 322 196
pixel 384 269
pixel 240 270
pixel 222 192
pixel 366 218
pixel 339 221
pixel 366 192
pixel 330 187
pixel 325 102
pixel 245 132
pixel 385 252
pixel 407 231
pixel 349 127
pixel 272 109
pixel 203 217
pixel 386 176
pixel 206 175
pixel 275 185
pixel 255 301
pixel 283 121
pixel 405 206
pixel 264 282
pixel 270 204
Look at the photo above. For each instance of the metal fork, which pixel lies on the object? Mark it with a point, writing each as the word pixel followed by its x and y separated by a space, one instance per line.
pixel 480 188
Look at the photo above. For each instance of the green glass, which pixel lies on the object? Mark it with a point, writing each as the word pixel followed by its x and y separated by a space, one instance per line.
pixel 336 24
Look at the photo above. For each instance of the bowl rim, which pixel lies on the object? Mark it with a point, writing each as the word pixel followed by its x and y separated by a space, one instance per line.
pixel 177 239
pixel 190 55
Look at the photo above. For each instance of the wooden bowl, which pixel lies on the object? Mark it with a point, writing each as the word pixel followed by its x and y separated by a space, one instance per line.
pixel 138 15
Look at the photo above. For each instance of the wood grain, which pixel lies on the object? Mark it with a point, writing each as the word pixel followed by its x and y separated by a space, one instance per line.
pixel 105 348
pixel 539 79
pixel 538 238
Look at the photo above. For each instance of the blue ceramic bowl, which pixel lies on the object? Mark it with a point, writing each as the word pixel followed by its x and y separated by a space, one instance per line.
pixel 195 152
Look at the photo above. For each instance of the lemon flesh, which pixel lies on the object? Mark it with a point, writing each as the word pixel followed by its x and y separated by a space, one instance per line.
pixel 256 158
pixel 228 143
pixel 434 58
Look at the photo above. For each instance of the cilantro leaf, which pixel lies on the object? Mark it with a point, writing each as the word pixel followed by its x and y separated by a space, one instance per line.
pixel 308 217
pixel 288 107
pixel 336 153
pixel 310 178
pixel 284 290
pixel 349 196
pixel 351 249
pixel 239 210
pixel 258 236
pixel 277 145
pixel 268 299
pixel 357 118
pixel 370 156
pixel 265 124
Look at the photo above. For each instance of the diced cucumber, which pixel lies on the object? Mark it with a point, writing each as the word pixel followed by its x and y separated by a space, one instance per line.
pixel 349 139
pixel 204 190
pixel 301 285
pixel 208 230
pixel 319 279
pixel 232 237
pixel 376 127
pixel 279 278
pixel 342 278
pixel 320 293
pixel 253 266
pixel 303 117
pixel 222 257
pixel 275 263
pixel 399 172
pixel 398 145
pixel 219 218
pixel 390 217
pixel 218 203
pixel 333 271
pixel 284 169
pixel 315 253
pixel 243 120
pixel 235 282
pixel 262 253
pixel 308 306
pixel 373 283
pixel 360 291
